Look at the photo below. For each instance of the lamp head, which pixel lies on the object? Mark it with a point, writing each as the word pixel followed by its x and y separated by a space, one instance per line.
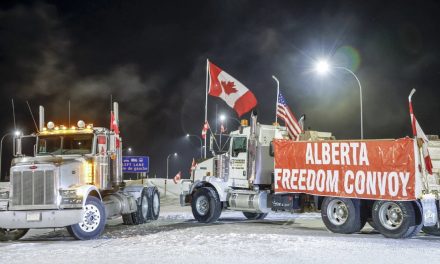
pixel 322 67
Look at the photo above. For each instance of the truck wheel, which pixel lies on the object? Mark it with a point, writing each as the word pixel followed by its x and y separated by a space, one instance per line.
pixel 394 219
pixel 12 234
pixel 93 222
pixel 255 216
pixel 341 215
pixel 143 211
pixel 154 198
pixel 206 206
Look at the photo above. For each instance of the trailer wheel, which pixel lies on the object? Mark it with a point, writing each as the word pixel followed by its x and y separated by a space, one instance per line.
pixel 255 216
pixel 154 198
pixel 395 219
pixel 206 205
pixel 12 234
pixel 93 222
pixel 341 215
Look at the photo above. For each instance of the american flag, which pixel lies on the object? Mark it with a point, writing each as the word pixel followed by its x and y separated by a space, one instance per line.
pixel 283 112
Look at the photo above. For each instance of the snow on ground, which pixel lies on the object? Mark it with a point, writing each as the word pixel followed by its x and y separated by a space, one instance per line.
pixel 177 238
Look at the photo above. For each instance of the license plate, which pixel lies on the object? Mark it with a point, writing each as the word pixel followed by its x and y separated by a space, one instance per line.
pixel 33 217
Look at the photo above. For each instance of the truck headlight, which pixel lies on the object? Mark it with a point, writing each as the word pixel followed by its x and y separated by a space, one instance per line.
pixel 88 172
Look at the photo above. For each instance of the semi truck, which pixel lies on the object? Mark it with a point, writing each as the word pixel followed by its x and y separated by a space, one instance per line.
pixel 350 182
pixel 74 179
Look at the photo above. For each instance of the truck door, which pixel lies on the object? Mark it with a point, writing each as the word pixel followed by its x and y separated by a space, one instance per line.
pixel 238 162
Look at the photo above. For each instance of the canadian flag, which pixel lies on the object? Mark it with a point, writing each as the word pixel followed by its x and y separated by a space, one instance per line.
pixel 113 123
pixel 233 92
pixel 193 166
pixel 205 129
pixel 177 177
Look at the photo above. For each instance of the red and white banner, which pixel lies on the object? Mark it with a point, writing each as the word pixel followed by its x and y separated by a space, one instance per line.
pixel 233 92
pixel 373 169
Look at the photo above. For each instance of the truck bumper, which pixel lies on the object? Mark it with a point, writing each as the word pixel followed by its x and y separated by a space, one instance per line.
pixel 40 218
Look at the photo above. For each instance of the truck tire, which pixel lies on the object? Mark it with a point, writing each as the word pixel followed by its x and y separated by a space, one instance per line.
pixel 143 209
pixel 93 223
pixel 154 198
pixel 12 234
pixel 127 219
pixel 341 215
pixel 206 206
pixel 255 216
pixel 419 220
pixel 394 219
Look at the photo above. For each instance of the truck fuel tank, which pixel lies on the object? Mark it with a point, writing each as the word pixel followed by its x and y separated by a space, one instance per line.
pixel 249 201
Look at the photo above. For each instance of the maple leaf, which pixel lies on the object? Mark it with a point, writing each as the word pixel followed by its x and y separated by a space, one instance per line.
pixel 228 87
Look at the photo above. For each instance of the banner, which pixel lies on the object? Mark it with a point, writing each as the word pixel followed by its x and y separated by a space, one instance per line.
pixel 371 169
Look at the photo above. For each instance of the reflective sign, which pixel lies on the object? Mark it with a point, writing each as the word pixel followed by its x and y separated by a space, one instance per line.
pixel 134 164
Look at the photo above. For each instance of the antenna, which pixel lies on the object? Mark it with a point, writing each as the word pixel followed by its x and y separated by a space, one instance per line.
pixel 32 115
pixel 69 113
pixel 13 114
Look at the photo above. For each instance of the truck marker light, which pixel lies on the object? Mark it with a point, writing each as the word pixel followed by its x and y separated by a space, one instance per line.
pixel 33 167
pixel 57 128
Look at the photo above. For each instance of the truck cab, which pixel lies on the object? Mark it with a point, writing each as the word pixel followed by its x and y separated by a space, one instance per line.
pixel 74 180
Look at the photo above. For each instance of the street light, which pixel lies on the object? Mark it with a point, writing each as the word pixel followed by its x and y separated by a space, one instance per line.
pixel 201 143
pixel 129 150
pixel 16 133
pixel 323 67
pixel 168 158
pixel 223 117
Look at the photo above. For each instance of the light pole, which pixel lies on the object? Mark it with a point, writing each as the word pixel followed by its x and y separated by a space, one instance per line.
pixel 322 67
pixel 168 161
pixel 16 133
pixel 201 143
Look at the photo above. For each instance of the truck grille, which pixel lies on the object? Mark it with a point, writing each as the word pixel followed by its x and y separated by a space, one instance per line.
pixel 33 188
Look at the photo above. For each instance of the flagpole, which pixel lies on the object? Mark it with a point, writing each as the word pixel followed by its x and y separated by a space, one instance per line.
pixel 411 113
pixel 278 94
pixel 206 101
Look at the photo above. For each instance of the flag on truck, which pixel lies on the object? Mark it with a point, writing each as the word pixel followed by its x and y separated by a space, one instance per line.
pixel 233 92
pixel 422 139
pixel 205 129
pixel 284 112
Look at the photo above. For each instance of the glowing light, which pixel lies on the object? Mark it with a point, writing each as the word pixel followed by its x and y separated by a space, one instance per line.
pixel 57 128
pixel 88 172
pixel 322 67
pixel 50 125
pixel 73 128
pixel 17 133
pixel 222 117
pixel 81 124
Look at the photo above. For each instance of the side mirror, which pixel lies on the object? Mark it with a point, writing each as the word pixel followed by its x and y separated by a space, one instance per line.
pixel 271 152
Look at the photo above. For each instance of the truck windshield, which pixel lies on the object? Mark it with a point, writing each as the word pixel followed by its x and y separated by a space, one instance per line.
pixel 65 144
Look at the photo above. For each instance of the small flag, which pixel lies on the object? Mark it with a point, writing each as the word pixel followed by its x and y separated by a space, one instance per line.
pixel 283 112
pixel 422 139
pixel 193 167
pixel 205 129
pixel 222 129
pixel 233 92
pixel 177 177
pixel 113 123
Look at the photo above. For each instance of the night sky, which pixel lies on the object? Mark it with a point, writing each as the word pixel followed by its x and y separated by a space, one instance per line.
pixel 151 57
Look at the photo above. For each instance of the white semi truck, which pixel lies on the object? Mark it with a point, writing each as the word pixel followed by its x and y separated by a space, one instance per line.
pixel 382 182
pixel 74 180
